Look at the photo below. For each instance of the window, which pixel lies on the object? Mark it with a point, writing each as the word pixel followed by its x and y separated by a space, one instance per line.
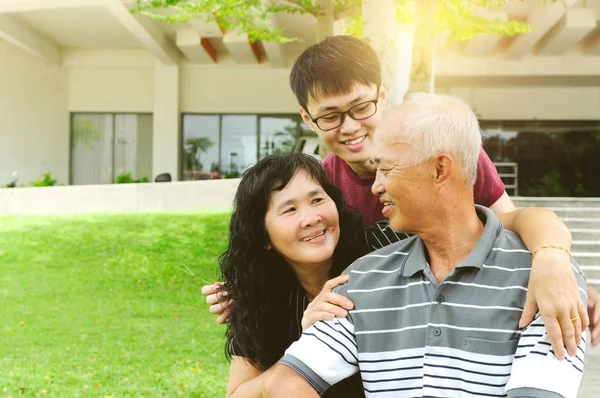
pixel 232 143
pixel 238 143
pixel 554 158
pixel 201 155
pixel 278 135
pixel 104 146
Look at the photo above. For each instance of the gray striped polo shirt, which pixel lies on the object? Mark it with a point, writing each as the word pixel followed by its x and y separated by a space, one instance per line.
pixel 410 336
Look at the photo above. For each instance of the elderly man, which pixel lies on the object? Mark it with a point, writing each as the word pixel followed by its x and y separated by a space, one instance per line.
pixel 436 314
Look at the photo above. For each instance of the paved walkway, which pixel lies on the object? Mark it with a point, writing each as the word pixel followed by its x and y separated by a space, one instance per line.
pixel 590 387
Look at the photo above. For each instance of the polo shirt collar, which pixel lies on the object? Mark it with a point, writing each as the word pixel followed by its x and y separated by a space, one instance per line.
pixel 417 260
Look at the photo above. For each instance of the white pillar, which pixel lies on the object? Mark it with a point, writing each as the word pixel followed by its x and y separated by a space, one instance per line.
pixel 166 135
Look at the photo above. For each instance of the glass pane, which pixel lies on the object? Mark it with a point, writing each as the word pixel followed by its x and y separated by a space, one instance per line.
pixel 144 147
pixel 553 158
pixel 278 135
pixel 238 150
pixel 133 146
pixel 200 147
pixel 92 149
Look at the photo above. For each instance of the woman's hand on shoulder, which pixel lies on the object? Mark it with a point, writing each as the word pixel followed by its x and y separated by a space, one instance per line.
pixel 594 314
pixel 218 301
pixel 327 305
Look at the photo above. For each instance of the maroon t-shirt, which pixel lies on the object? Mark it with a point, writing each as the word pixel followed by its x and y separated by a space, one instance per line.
pixel 357 191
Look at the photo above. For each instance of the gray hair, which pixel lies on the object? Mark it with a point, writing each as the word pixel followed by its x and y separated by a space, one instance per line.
pixel 434 123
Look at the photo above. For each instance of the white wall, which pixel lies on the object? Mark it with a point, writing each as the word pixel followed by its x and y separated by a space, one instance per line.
pixel 236 90
pixel 34 119
pixel 531 103
pixel 120 198
pixel 117 81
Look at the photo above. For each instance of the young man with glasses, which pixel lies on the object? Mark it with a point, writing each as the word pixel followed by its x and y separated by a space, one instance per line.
pixel 342 98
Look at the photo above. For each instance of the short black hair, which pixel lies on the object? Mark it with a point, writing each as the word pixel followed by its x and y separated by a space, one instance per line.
pixel 333 67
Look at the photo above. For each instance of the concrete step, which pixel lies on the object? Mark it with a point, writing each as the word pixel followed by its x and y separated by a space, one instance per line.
pixel 587 258
pixel 586 233
pixel 592 246
pixel 581 223
pixel 521 201
pixel 577 212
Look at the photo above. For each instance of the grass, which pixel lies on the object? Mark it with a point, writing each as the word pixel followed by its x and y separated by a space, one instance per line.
pixel 97 306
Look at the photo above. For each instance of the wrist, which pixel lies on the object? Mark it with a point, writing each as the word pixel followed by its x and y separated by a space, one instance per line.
pixel 552 250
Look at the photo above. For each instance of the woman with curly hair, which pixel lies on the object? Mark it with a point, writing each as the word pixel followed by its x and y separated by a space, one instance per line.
pixel 290 232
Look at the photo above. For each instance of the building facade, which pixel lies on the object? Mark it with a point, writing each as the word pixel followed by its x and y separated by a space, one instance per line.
pixel 90 92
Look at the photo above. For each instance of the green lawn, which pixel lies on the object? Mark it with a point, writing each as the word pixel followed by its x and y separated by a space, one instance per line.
pixel 97 306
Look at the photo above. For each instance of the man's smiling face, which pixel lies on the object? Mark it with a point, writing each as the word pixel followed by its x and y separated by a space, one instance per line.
pixel 352 140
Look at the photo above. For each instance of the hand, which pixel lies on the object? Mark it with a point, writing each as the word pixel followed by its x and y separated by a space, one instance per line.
pixel 327 305
pixel 217 299
pixel 553 288
pixel 594 314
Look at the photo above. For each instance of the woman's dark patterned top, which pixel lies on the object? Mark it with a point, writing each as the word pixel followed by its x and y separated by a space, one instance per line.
pixel 381 234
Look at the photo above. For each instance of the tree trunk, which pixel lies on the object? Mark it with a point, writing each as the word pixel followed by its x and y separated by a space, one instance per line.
pixel 381 32
pixel 422 71
pixel 325 19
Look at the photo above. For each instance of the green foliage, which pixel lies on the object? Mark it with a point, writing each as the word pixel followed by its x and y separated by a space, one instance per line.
pixel 45 180
pixel 460 19
pixel 127 178
pixel 233 174
pixel 193 148
pixel 252 17
pixel 549 185
pixel 98 306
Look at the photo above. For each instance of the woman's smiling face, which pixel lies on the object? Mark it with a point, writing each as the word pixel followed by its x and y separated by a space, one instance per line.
pixel 302 223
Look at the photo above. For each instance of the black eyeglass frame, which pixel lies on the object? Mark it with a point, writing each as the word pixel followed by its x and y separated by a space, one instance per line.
pixel 343 114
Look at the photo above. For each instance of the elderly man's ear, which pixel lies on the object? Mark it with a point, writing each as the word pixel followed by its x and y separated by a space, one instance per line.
pixel 443 169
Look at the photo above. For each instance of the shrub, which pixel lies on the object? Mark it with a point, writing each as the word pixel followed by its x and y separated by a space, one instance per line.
pixel 126 178
pixel 45 180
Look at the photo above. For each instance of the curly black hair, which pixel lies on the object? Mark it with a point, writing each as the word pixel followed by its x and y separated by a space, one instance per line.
pixel 258 280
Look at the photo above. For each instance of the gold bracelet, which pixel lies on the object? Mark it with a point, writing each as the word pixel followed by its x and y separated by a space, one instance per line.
pixel 549 247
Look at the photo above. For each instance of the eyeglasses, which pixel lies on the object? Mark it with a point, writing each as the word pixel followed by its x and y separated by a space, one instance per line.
pixel 334 120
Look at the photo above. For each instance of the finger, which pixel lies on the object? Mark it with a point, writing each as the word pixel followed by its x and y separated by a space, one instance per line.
pixel 224 317
pixel 593 305
pixel 331 308
pixel 337 299
pixel 579 328
pixel 567 326
pixel 212 299
pixel 596 335
pixel 210 289
pixel 316 316
pixel 556 338
pixel 584 320
pixel 219 308
pixel 596 314
pixel 529 312
pixel 218 297
pixel 332 283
